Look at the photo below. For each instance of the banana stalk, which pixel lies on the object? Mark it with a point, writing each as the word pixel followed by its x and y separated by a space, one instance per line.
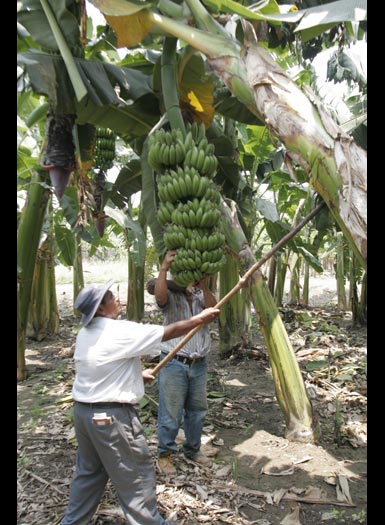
pixel 169 85
pixel 301 422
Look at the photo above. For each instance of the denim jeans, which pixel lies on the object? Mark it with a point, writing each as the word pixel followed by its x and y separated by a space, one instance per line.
pixel 182 397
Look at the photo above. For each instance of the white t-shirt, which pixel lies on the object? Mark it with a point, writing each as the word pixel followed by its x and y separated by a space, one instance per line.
pixel 107 360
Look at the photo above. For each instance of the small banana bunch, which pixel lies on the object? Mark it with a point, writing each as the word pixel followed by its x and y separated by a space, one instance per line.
pixel 189 202
pixel 104 151
pixel 166 149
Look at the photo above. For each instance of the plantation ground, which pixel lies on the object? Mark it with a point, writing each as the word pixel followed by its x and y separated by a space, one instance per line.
pixel 258 477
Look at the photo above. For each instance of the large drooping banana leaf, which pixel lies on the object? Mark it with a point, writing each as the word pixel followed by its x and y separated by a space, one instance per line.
pixel 311 21
pixel 32 17
pixel 119 98
pixel 128 182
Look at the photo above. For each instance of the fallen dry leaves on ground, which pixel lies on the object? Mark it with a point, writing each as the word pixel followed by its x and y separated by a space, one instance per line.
pixel 332 357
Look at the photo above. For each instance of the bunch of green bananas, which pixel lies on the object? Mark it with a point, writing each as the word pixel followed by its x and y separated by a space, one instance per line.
pixel 189 202
pixel 104 150
pixel 166 149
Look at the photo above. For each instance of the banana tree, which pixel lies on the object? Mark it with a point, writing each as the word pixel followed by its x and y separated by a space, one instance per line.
pixel 28 236
pixel 90 112
pixel 135 239
pixel 300 420
pixel 44 314
pixel 336 165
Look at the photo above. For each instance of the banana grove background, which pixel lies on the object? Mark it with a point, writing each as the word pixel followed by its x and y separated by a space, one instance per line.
pixel 115 118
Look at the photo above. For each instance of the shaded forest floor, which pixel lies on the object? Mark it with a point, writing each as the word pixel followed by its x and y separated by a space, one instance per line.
pixel 258 477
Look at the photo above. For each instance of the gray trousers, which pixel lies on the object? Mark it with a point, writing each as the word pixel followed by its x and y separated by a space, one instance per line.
pixel 118 451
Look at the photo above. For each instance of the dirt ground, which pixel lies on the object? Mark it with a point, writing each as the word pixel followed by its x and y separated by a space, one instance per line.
pixel 258 476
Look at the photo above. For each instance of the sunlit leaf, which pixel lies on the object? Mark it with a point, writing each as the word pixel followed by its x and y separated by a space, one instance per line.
pixel 130 30
pixel 318 19
pixel 232 7
pixel 120 7
pixel 196 91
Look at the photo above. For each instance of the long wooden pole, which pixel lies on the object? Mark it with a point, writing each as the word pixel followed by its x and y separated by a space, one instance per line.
pixel 240 284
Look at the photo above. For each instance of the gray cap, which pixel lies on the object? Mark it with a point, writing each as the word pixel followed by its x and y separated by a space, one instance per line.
pixel 89 299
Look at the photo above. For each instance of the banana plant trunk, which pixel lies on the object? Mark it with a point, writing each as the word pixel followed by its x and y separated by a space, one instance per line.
pixel 28 238
pixel 340 274
pixel 296 260
pixel 301 422
pixel 363 299
pixel 53 319
pixel 305 290
pixel 44 316
pixel 135 290
pixel 358 313
pixel 77 272
pixel 272 274
pixel 282 263
pixel 235 314
pixel 294 279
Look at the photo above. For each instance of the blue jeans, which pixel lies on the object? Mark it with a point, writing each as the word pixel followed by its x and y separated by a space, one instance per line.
pixel 182 396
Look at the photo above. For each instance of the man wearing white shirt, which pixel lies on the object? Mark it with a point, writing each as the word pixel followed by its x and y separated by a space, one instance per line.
pixel 108 384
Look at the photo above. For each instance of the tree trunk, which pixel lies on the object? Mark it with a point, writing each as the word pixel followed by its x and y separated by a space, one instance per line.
pixel 28 237
pixel 44 316
pixel 135 290
pixel 305 290
pixel 295 260
pixel 363 300
pixel 281 278
pixel 78 275
pixel 358 313
pixel 294 279
pixel 234 315
pixel 301 423
pixel 272 274
pixel 340 273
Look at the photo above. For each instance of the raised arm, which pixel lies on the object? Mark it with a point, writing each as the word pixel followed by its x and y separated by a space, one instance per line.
pixel 161 282
pixel 209 297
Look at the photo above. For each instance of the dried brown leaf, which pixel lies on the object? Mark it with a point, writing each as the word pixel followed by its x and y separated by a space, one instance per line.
pixel 342 489
pixel 292 518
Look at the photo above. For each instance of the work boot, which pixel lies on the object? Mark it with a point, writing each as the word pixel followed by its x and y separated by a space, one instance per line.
pixel 166 465
pixel 202 460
